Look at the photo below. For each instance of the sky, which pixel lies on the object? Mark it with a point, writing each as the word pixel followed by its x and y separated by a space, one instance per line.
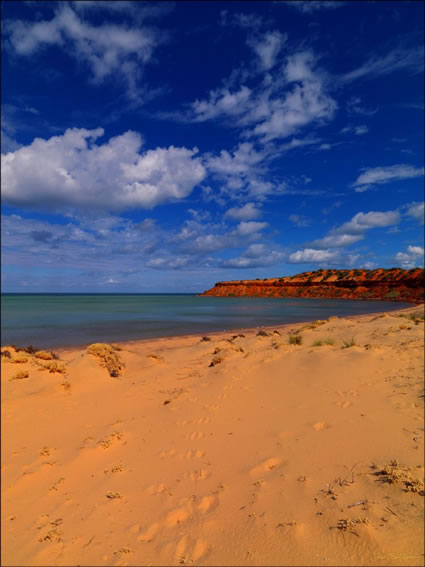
pixel 164 147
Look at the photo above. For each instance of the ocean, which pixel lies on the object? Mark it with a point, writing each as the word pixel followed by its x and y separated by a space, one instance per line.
pixel 59 320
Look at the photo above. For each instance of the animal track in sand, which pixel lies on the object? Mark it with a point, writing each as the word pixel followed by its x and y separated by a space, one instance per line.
pixel 192 454
pixel 208 503
pixel 148 534
pixel 321 425
pixel 157 488
pixel 170 453
pixel 189 550
pixel 177 516
pixel 266 466
pixel 201 474
pixel 197 421
pixel 195 435
pixel 345 404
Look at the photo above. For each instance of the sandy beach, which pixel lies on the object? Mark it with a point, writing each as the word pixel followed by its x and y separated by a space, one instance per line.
pixel 244 448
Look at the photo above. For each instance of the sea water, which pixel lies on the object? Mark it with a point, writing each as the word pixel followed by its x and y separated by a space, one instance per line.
pixel 55 320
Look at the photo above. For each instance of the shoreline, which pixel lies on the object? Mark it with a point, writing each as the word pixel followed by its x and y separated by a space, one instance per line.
pixel 80 346
pixel 217 334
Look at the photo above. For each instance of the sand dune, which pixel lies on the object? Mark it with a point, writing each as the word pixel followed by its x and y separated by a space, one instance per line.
pixel 238 450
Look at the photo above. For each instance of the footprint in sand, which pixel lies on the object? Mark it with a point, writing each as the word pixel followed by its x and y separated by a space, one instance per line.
pixel 266 466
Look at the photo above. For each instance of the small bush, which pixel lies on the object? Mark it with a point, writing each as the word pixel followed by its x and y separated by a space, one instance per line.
pixel 348 344
pixel 204 339
pixel 6 353
pixel 322 342
pixel 263 334
pixel 295 339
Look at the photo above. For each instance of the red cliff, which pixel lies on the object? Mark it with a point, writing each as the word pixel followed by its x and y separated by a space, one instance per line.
pixel 393 284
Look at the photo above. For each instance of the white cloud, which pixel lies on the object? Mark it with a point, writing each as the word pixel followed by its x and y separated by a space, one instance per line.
pixel 354 106
pixel 355 229
pixel 248 228
pixel 337 240
pixel 311 6
pixel 221 102
pixel 312 255
pixel 255 256
pixel 295 96
pixel 365 221
pixel 72 171
pixel 267 48
pixel 358 130
pixel 409 59
pixel 306 103
pixel 299 220
pixel 109 50
pixel 377 175
pixel 245 213
pixel 416 211
pixel 413 257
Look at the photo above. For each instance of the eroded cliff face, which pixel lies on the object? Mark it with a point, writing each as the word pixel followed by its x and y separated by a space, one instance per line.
pixel 389 285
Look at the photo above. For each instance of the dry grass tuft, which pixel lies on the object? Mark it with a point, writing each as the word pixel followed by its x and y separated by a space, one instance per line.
pixel 394 473
pixel 216 360
pixel 44 355
pixel 109 359
pixel 295 339
pixel 20 359
pixel 20 375
pixel 322 342
pixel 53 366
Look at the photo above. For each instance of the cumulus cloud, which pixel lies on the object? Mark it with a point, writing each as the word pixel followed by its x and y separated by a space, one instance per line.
pixel 416 211
pixel 73 171
pixel 255 256
pixel 365 221
pixel 248 228
pixel 299 220
pixel 413 257
pixel 245 213
pixel 378 175
pixel 109 50
pixel 323 257
pixel 242 171
pixel 355 229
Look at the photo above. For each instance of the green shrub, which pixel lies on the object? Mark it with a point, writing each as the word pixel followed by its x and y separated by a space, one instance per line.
pixel 348 344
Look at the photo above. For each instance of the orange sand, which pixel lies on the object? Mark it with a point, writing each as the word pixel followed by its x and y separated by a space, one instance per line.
pixel 273 456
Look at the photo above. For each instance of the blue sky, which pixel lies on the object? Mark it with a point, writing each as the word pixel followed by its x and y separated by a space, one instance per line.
pixel 164 147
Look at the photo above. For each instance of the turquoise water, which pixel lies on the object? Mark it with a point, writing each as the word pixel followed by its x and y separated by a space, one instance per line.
pixel 54 320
